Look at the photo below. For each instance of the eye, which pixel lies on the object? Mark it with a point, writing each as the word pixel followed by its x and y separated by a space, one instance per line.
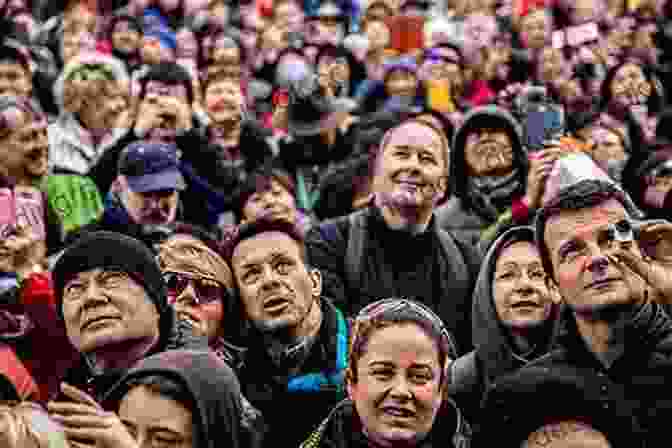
pixel 428 158
pixel 74 289
pixel 506 275
pixel 383 374
pixel 569 251
pixel 421 377
pixel 111 279
pixel 401 153
pixel 283 267
pixel 251 275
pixel 537 274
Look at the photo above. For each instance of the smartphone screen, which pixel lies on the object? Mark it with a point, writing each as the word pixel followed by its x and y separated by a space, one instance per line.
pixel 29 204
pixel 542 125
pixel 7 213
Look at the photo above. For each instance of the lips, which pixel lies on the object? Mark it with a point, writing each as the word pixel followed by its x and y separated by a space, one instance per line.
pixel 398 412
pixel 275 303
pixel 602 283
pixel 526 304
pixel 92 321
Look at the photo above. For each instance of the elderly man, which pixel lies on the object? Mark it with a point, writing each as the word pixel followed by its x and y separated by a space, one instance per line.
pixel 607 268
pixel 298 340
pixel 394 247
pixel 112 300
pixel 146 192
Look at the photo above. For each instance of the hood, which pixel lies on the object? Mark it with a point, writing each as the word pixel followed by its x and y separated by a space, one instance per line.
pixel 211 384
pixel 342 429
pixel 473 120
pixel 490 338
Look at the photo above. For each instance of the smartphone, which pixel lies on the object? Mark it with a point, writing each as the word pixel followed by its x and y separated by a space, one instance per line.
pixel 30 210
pixel 7 213
pixel 542 123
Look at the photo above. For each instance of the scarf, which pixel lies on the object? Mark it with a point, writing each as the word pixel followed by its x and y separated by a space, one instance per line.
pixel 491 194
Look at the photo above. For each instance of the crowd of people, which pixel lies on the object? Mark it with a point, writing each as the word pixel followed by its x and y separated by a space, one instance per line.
pixel 335 223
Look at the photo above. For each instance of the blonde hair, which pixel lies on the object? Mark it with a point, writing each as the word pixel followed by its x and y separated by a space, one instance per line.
pixel 27 425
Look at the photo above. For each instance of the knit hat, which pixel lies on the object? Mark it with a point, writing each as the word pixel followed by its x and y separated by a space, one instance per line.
pixel 519 404
pixel 110 250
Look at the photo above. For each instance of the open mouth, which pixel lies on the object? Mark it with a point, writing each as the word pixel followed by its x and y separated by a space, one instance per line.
pixel 398 412
pixel 276 303
pixel 526 304
pixel 99 321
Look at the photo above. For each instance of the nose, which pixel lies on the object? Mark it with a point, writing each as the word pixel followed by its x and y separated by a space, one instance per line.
pixel 401 389
pixel 94 296
pixel 270 279
pixel 598 263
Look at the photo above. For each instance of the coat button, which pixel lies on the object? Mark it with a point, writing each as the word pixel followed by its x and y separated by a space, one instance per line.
pixel 604 388
pixel 605 405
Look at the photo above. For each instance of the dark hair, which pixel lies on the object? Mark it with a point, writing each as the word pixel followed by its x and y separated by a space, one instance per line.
pixel 655 102
pixel 168 73
pixel 364 328
pixel 357 69
pixel 584 194
pixel 9 53
pixel 264 225
pixel 259 181
pixel 166 387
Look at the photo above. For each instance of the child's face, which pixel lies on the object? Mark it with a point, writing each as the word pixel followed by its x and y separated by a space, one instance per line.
pixel 125 38
pixel 150 52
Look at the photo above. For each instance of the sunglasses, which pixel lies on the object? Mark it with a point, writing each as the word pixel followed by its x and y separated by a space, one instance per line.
pixel 207 290
pixel 393 305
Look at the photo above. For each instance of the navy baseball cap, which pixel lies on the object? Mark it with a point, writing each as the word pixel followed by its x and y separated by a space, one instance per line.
pixel 151 166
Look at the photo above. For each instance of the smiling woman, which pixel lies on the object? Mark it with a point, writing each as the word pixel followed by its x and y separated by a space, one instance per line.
pixel 396 382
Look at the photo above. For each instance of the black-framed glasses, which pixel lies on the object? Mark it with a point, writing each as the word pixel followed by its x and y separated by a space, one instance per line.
pixel 207 290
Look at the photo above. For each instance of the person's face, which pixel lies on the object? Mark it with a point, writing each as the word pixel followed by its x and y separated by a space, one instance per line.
pixel 103 111
pixel 551 64
pixel 288 15
pixel 488 151
pixel 196 280
pixel 397 392
pixel 378 34
pixel 378 12
pixel 106 307
pixel 534 29
pixel 150 50
pixel 579 245
pixel 79 27
pixel 519 289
pixel 227 55
pixel 570 436
pixel 607 146
pixel 275 202
pixel 224 101
pixel 629 86
pixel 25 148
pixel 15 80
pixel 401 83
pixel 152 207
pixel 187 46
pixel 154 420
pixel 276 287
pixel 125 38
pixel 411 169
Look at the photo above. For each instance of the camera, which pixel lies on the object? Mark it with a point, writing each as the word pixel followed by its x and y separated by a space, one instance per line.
pixel 542 119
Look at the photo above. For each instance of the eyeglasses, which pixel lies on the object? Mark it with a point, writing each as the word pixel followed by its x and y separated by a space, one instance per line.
pixel 207 290
pixel 392 305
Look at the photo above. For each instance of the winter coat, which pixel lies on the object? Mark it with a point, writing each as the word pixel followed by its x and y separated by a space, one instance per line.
pixel 343 429
pixel 213 386
pixel 309 394
pixel 494 353
pixel 397 264
pixel 640 373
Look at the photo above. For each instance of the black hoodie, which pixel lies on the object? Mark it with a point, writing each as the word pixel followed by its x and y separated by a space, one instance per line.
pixel 211 384
pixel 494 350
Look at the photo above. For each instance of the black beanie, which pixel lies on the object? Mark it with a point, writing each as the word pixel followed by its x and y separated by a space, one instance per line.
pixel 115 251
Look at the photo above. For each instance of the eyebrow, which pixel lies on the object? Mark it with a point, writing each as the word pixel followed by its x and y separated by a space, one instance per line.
pixel 156 428
pixel 272 256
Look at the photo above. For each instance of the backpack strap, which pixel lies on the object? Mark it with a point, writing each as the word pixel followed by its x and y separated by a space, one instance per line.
pixel 463 374
pixel 354 257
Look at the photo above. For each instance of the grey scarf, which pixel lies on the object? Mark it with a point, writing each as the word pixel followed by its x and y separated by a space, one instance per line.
pixel 490 195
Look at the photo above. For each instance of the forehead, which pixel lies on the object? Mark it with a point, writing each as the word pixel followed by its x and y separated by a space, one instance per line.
pixel 583 223
pixel 405 342
pixel 407 135
pixel 87 275
pixel 258 247
pixel 523 252
pixel 7 65
pixel 144 407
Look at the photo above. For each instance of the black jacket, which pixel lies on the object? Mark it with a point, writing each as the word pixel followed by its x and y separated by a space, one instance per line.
pixel 495 353
pixel 397 264
pixel 641 373
pixel 290 413
pixel 211 384
pixel 343 429
pixel 82 376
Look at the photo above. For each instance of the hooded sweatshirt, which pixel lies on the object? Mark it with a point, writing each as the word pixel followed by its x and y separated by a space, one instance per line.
pixel 479 201
pixel 495 352
pixel 210 382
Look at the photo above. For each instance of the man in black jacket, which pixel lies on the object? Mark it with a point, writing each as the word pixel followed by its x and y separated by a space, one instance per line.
pixel 394 247
pixel 112 300
pixel 593 250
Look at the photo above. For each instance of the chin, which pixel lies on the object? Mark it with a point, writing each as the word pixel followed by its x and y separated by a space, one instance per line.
pixel 527 323
pixel 390 437
pixel 99 339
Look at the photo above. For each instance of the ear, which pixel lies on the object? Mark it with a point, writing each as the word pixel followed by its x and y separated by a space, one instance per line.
pixel 553 290
pixel 443 185
pixel 349 386
pixel 316 282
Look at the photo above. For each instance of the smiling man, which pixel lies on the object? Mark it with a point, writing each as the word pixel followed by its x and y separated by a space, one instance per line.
pixel 394 247
pixel 591 250
pixel 298 346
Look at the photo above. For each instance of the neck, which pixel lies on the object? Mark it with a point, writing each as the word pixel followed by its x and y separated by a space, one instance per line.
pixel 522 340
pixel 411 219
pixel 120 356
pixel 94 129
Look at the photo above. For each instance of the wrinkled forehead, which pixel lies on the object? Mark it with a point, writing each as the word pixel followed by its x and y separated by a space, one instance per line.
pixel 262 246
pixel 583 224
